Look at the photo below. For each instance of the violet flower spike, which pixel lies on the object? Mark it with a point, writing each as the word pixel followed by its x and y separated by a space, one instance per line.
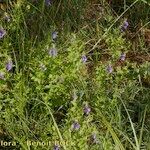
pixel 2 33
pixel 9 65
pixel 84 58
pixel 54 35
pixel 123 57
pixel 53 52
pixel 75 126
pixel 86 110
pixel 109 69
pixel 124 26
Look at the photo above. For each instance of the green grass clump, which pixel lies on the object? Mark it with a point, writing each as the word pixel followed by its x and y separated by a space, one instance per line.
pixel 75 75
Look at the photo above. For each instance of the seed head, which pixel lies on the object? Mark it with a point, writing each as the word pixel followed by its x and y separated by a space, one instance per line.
pixel 7 17
pixel 43 67
pixel 2 75
pixel 74 96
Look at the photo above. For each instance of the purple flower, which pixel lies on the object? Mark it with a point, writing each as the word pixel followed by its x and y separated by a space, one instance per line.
pixel 109 69
pixel 86 110
pixel 53 52
pixel 75 125
pixel 2 75
pixel 2 33
pixel 122 56
pixel 56 147
pixel 124 26
pixel 9 65
pixel 48 2
pixel 54 35
pixel 84 58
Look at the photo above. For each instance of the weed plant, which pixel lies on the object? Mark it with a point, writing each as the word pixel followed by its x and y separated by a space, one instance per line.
pixel 75 75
